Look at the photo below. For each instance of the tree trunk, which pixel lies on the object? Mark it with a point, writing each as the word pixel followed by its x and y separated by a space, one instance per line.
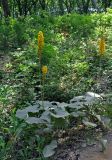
pixel 25 7
pixel 107 4
pixel 19 7
pixel 5 8
pixel 69 5
pixel 85 6
pixel 61 7
pixel 43 4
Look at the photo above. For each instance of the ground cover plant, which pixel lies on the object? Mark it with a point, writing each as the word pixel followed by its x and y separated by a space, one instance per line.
pixel 55 74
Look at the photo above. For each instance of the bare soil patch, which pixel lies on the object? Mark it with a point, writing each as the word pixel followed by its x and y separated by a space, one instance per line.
pixel 84 146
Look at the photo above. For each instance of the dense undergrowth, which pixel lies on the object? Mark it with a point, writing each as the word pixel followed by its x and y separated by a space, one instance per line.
pixel 74 64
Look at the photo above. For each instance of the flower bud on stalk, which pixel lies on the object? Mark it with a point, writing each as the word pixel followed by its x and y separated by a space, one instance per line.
pixel 44 71
pixel 102 46
pixel 40 44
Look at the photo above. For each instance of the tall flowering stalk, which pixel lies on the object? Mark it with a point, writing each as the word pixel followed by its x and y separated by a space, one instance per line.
pixel 44 72
pixel 102 46
pixel 101 53
pixel 43 69
pixel 40 45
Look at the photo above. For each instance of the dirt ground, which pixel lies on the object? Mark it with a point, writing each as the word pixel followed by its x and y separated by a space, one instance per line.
pixel 80 149
pixel 94 153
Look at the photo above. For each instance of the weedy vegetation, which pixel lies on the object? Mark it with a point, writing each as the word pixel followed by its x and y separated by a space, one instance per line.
pixel 55 71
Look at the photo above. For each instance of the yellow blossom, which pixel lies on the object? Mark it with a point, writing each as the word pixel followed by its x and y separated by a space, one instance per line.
pixel 102 46
pixel 44 70
pixel 40 40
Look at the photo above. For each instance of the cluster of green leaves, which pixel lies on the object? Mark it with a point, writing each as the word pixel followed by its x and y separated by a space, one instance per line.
pixel 50 116
pixel 75 67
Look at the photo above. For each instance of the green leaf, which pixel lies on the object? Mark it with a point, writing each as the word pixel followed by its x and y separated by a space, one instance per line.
pixel 33 109
pixel 45 104
pixel 98 117
pixel 77 105
pixel 60 113
pixel 105 121
pixel 34 120
pixel 77 114
pixel 63 105
pixel 46 116
pixel 89 124
pixel 77 99
pixel 92 94
pixel 48 150
pixel 88 99
pixel 23 114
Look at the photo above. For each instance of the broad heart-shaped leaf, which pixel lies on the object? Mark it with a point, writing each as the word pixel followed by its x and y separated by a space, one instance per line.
pixel 55 103
pixel 88 99
pixel 63 105
pixel 105 121
pixel 77 114
pixel 60 113
pixel 76 106
pixel 48 150
pixel 89 124
pixel 34 109
pixel 34 120
pixel 94 95
pixel 104 143
pixel 91 98
pixel 48 129
pixel 46 116
pixel 98 117
pixel 22 114
pixel 77 99
pixel 45 104
pixel 44 119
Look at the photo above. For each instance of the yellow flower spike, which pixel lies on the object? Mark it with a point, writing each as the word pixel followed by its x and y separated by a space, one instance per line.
pixel 44 70
pixel 40 41
pixel 102 46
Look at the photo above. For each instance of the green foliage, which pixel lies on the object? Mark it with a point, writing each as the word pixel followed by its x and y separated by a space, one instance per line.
pixel 50 116
pixel 74 68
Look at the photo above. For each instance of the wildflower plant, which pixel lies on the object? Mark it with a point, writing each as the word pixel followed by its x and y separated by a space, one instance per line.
pixel 101 51
pixel 102 46
pixel 43 68
pixel 44 72
pixel 40 44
